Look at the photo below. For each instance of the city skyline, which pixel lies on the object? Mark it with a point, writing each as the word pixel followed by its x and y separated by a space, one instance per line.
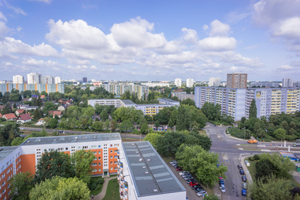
pixel 150 40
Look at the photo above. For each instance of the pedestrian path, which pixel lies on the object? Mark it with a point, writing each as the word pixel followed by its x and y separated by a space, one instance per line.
pixel 101 195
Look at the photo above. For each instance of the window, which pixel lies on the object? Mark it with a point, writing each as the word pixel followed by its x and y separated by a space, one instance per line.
pixel 99 158
pixel 67 148
pixel 93 146
pixel 105 165
pixel 99 164
pixel 111 163
pixel 73 147
pixel 111 157
pixel 85 147
pixel 99 152
pixel 111 151
pixel 95 158
pixel 105 145
pixel 95 152
pixel 99 170
pixel 99 146
pixel 38 150
pixel 94 164
pixel 111 168
pixel 79 147
pixel 111 145
pixel 94 170
pixel 116 145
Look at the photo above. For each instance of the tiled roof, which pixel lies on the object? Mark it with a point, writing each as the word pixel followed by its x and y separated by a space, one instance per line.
pixel 9 116
pixel 24 117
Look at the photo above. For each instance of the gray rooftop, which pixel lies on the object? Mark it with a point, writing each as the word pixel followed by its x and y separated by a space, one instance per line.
pixel 5 151
pixel 72 139
pixel 128 102
pixel 152 176
pixel 168 100
pixel 154 105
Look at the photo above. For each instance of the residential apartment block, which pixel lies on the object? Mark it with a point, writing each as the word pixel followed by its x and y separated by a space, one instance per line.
pixel 237 80
pixel 148 109
pixel 236 102
pixel 18 79
pixel 7 87
pixel 178 82
pixel 143 174
pixel 34 78
pixel 168 101
pixel 183 96
pixel 25 157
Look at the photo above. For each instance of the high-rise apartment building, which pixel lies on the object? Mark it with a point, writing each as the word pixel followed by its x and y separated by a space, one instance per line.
pixel 237 80
pixel 33 78
pixel 47 80
pixel 57 80
pixel 18 79
pixel 214 82
pixel 84 79
pixel 178 82
pixel 287 82
pixel 236 102
pixel 189 82
pixel 7 87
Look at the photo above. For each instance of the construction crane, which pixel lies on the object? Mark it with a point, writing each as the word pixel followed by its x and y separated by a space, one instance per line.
pixel 171 91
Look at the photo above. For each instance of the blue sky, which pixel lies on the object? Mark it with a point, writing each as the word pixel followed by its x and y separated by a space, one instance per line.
pixel 150 39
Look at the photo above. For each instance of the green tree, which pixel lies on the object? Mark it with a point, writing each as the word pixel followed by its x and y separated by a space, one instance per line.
pixel 171 123
pixel 157 124
pixel 144 128
pixel 54 164
pixel 253 109
pixel 8 133
pixel 126 126
pixel 89 111
pixel 188 102
pixel 153 138
pixel 210 197
pixel 104 115
pixel 201 163
pixel 211 111
pixel 113 125
pixel 53 123
pixel 271 189
pixel 168 145
pixel 280 134
pixel 83 160
pixel 21 184
pixel 48 106
pixel 183 118
pixel 106 125
pixel 17 141
pixel 60 188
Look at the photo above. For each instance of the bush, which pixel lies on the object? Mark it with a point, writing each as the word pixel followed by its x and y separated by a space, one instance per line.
pixel 236 132
pixel 251 158
pixel 256 157
pixel 93 186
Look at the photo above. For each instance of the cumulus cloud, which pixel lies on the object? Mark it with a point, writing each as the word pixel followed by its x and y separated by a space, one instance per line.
pixel 285 68
pixel 217 43
pixel 218 28
pixel 34 62
pixel 190 36
pixel 11 45
pixel 2 17
pixel 45 1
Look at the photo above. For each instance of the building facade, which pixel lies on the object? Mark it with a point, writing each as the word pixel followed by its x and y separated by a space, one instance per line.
pixel 214 82
pixel 7 87
pixel 168 101
pixel 18 79
pixel 189 82
pixel 287 82
pixel 57 80
pixel 178 82
pixel 47 80
pixel 183 96
pixel 236 102
pixel 34 78
pixel 143 175
pixel 157 84
pixel 237 80
pixel 84 79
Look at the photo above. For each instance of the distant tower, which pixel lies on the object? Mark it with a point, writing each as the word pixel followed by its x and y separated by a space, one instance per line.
pixel 237 80
pixel 84 79
pixel 57 80
pixel 178 82
pixel 287 82
pixel 189 82
pixel 33 78
pixel 18 79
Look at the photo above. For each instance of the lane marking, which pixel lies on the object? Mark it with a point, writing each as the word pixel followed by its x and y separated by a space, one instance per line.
pixel 267 150
pixel 241 149
pixel 238 144
pixel 261 145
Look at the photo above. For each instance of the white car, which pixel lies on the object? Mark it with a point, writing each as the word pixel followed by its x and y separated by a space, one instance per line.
pixel 181 173
pixel 202 193
pixel 222 188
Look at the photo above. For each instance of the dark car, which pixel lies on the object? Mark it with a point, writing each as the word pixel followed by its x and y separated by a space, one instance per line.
pixel 242 172
pixel 221 182
pixel 178 168
pixel 199 189
pixel 244 178
pixel 240 167
pixel 244 192
pixel 196 186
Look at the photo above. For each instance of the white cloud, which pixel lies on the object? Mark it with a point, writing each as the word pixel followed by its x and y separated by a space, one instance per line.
pixel 218 28
pixel 205 27
pixel 3 29
pixel 15 9
pixel 11 45
pixel 235 17
pixel 135 33
pixel 190 36
pixel 45 1
pixel 289 28
pixel 285 68
pixel 93 67
pixel 34 62
pixel 2 17
pixel 217 43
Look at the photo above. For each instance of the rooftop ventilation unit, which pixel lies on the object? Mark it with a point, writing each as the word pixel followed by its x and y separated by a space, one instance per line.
pixel 155 190
pixel 140 159
pixel 148 160
pixel 144 167
pixel 146 172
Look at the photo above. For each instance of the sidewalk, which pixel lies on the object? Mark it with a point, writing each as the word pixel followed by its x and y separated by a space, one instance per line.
pixel 242 160
pixel 101 195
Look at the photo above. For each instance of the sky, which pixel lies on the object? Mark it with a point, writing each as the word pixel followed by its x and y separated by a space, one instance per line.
pixel 150 40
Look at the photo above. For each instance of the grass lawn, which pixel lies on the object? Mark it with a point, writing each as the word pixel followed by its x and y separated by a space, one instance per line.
pixel 99 188
pixel 112 192
pixel 202 132
pixel 251 168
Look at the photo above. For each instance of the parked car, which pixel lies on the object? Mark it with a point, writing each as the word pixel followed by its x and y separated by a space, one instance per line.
pixel 240 167
pixel 242 172
pixel 244 185
pixel 178 168
pixel 193 183
pixel 172 161
pixel 251 141
pixel 187 178
pixel 183 172
pixel 220 177
pixel 221 182
pixel 244 192
pixel 222 188
pixel 196 186
pixel 199 190
pixel 244 178
pixel 186 175
pixel 202 193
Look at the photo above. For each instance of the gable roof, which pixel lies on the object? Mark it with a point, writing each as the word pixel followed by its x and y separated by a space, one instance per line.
pixel 24 117
pixel 20 111
pixel 9 116
pixel 55 113
pixel 0 115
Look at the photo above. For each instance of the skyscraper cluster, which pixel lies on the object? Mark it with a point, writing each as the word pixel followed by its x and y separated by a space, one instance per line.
pixel 35 78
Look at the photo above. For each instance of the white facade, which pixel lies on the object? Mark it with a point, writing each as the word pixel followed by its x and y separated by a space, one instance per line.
pixel 108 102
pixel 33 78
pixel 214 82
pixel 287 82
pixel 47 80
pixel 18 79
pixel 159 84
pixel 178 82
pixel 57 80
pixel 189 82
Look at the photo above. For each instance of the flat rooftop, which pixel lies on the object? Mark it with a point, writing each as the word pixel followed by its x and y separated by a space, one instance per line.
pixel 128 102
pixel 149 172
pixel 72 139
pixel 154 105
pixel 168 100
pixel 5 151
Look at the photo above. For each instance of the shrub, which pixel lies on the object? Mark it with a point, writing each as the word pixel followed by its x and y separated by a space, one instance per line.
pixel 251 158
pixel 256 157
pixel 93 186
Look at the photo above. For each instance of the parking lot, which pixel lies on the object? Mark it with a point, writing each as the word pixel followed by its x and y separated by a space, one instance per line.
pixel 191 194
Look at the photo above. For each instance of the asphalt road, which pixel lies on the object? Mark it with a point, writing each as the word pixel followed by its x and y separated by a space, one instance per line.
pixel 123 135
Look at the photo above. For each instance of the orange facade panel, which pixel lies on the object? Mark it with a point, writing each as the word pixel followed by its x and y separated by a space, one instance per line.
pixel 113 160
pixel 8 173
pixel 28 163
pixel 35 87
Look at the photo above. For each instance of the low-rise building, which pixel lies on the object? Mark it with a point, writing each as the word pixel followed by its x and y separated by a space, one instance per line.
pixel 168 101
pixel 23 118
pixel 9 117
pixel 143 174
pixel 19 112
pixel 183 96
pixel 56 113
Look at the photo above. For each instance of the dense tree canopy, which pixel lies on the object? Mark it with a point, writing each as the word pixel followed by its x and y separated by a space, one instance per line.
pixel 253 109
pixel 21 184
